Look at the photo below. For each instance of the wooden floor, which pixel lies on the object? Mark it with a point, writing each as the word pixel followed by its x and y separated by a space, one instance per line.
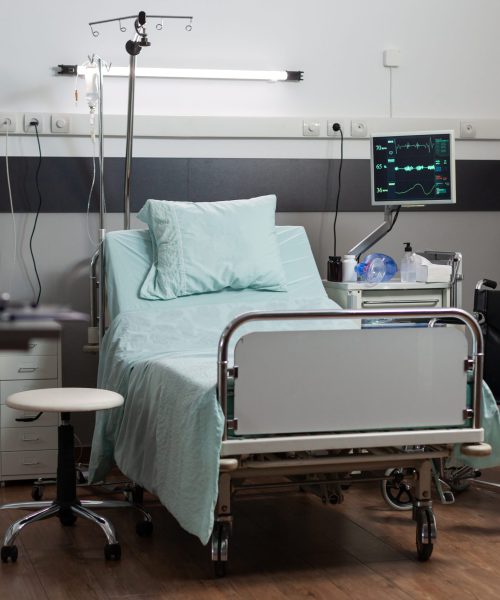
pixel 290 547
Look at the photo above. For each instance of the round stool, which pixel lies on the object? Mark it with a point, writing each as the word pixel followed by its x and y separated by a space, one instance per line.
pixel 66 504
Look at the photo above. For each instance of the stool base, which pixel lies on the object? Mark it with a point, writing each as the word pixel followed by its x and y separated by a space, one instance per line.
pixel 67 506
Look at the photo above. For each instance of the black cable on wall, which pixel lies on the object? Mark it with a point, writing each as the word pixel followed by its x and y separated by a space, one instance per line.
pixel 37 183
pixel 337 127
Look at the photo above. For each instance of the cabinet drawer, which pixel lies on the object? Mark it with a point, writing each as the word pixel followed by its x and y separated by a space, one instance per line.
pixel 28 438
pixel 406 299
pixel 9 415
pixel 25 366
pixel 12 387
pixel 37 347
pixel 29 463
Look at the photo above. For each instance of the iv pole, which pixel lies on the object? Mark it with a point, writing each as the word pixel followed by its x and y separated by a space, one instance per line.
pixel 134 47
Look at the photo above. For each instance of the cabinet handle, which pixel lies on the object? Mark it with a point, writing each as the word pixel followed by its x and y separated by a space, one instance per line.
pixel 30 438
pixel 30 462
pixel 406 302
pixel 31 346
pixel 27 369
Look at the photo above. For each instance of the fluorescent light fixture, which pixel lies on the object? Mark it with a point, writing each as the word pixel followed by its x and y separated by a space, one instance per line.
pixel 202 73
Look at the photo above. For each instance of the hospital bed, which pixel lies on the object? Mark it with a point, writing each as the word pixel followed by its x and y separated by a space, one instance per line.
pixel 244 390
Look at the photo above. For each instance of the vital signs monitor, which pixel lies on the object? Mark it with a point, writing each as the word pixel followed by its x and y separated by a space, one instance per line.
pixel 409 169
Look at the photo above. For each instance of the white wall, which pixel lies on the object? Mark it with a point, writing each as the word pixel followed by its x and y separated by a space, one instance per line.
pixel 448 49
pixel 449 55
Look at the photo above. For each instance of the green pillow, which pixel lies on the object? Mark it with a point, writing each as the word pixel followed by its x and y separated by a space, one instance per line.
pixel 201 247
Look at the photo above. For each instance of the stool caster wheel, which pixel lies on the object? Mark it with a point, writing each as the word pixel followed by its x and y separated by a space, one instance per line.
pixel 9 552
pixel 67 518
pixel 112 551
pixel 144 528
pixel 37 492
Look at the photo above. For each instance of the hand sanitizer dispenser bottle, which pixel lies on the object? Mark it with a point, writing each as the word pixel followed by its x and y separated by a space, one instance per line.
pixel 408 265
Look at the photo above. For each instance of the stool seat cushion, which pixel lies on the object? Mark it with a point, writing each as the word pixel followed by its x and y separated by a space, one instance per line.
pixel 65 400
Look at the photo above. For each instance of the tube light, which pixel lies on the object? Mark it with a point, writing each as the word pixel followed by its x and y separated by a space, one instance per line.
pixel 202 73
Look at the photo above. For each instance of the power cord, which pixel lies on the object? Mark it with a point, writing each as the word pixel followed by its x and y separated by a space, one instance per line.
pixel 337 127
pixel 9 187
pixel 34 122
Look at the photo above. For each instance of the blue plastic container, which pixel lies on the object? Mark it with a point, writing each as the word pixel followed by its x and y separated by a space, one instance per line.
pixel 376 268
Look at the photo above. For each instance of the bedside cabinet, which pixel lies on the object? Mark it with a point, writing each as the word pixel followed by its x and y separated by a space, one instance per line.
pixel 28 450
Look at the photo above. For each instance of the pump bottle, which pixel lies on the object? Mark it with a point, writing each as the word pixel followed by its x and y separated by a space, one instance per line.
pixel 408 265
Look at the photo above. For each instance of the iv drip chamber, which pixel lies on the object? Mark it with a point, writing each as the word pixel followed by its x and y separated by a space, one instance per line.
pixel 92 85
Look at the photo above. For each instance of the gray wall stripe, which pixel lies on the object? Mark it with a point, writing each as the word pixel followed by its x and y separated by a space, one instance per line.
pixel 301 185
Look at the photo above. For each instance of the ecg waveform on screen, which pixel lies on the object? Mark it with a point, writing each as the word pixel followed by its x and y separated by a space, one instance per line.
pixel 429 146
pixel 413 187
pixel 409 168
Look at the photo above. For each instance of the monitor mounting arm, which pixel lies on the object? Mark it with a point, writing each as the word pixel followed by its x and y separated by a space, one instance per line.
pixel 390 216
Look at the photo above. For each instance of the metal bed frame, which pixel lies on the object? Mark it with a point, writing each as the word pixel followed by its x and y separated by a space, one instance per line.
pixel 343 458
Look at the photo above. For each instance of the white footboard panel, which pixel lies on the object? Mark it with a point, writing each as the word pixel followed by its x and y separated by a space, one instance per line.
pixel 351 381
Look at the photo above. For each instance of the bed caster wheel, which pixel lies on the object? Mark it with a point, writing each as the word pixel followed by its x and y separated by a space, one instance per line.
pixel 424 551
pixel 9 552
pixel 336 498
pixel 144 528
pixel 80 477
pixel 448 497
pixel 220 547
pixel 112 551
pixel 67 518
pixel 137 494
pixel 457 483
pixel 425 534
pixel 396 491
pixel 37 492
pixel 220 568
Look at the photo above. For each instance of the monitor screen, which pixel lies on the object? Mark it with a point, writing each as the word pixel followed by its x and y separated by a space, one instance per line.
pixel 413 168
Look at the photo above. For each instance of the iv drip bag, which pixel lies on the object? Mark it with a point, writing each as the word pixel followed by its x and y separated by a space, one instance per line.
pixel 92 85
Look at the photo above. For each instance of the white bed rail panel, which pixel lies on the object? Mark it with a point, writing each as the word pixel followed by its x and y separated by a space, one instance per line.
pixel 350 380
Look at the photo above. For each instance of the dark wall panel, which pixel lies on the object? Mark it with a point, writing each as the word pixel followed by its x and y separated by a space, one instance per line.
pixel 301 185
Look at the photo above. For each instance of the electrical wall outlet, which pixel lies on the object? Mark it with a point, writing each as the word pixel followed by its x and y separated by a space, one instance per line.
pixel 8 122
pixel 29 118
pixel 359 129
pixel 330 131
pixel 467 129
pixel 311 128
pixel 59 123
